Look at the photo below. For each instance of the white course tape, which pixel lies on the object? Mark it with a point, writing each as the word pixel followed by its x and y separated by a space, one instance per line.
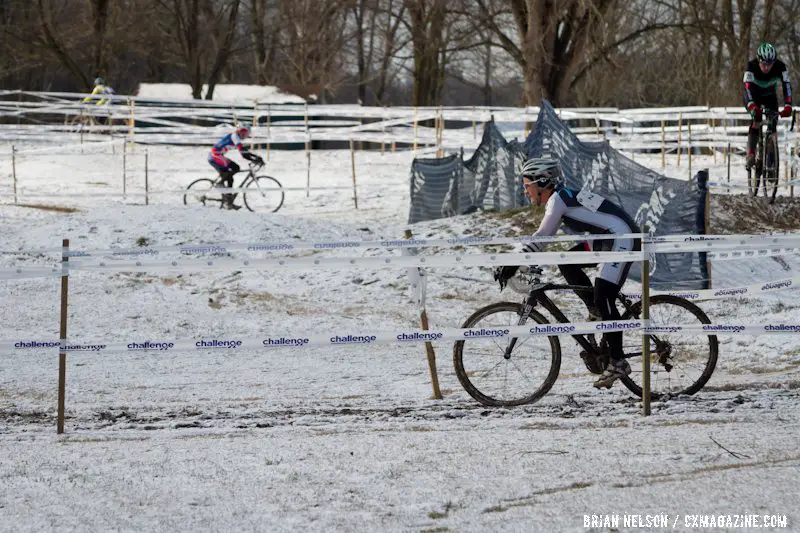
pixel 499 259
pixel 223 248
pixel 88 146
pixel 749 254
pixel 730 292
pixel 679 243
pixel 228 342
pixel 26 273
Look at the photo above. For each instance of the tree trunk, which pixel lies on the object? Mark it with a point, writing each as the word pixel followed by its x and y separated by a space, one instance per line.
pixel 224 51
pixel 100 9
pixel 427 27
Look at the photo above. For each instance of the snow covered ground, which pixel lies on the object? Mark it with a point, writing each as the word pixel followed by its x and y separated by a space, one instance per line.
pixel 341 438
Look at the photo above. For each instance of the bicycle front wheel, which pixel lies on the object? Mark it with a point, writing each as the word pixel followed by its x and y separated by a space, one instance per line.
pixel 771 168
pixel 680 363
pixel 267 194
pixel 753 179
pixel 497 379
pixel 203 192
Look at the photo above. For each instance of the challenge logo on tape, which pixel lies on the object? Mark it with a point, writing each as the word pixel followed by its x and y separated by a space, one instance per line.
pixel 36 344
pixel 417 336
pixel 486 332
pixel 216 343
pixel 149 345
pixel 353 339
pixel 283 342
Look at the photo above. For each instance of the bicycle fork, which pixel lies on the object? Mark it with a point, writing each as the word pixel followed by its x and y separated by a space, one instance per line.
pixel 530 303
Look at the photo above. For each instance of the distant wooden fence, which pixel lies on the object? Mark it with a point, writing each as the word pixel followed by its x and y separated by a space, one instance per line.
pixel 676 133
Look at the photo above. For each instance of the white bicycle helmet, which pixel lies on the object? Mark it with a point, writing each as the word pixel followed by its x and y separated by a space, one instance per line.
pixel 542 170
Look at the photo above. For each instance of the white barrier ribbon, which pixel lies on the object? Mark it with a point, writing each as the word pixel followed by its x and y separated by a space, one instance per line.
pixel 227 342
pixel 500 259
pixel 276 342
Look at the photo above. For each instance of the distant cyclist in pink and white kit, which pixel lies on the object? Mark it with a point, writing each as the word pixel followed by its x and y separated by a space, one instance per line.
pixel 225 166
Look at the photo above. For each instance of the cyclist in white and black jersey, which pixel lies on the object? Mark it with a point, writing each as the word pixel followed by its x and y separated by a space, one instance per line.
pixel 582 212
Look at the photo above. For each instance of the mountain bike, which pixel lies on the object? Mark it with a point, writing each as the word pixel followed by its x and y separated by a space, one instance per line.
pixel 767 164
pixel 505 372
pixel 266 194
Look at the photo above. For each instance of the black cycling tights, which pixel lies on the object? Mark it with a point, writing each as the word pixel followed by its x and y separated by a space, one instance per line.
pixel 603 299
pixel 227 174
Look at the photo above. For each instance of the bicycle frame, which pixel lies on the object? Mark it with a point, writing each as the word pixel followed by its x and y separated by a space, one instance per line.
pixel 250 175
pixel 538 295
pixel 771 119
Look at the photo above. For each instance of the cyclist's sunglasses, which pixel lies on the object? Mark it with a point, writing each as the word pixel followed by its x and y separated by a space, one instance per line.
pixel 766 63
pixel 527 182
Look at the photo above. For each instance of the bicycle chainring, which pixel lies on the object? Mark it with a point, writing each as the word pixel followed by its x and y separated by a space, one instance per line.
pixel 593 362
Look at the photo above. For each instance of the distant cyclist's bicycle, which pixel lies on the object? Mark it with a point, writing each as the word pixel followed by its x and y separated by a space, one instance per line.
pixel 766 169
pixel 264 193
pixel 504 372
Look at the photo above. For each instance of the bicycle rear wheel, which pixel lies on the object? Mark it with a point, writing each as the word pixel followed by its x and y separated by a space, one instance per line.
pixel 491 378
pixel 771 168
pixel 267 194
pixel 202 191
pixel 680 363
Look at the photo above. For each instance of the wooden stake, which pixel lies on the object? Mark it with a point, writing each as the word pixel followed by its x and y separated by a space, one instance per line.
pixel 728 158
pixel 645 336
pixel 269 122
pixel 146 181
pixel 707 227
pixel 124 168
pixel 14 171
pixel 62 355
pixel 663 145
pixel 474 124
pixel 680 129
pixel 353 165
pixel 689 149
pixel 714 139
pixel 415 132
pixel 132 122
pixel 308 155
pixel 429 351
pixel 431 355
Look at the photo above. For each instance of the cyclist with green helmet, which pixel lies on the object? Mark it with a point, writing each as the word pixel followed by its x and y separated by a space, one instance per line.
pixel 761 79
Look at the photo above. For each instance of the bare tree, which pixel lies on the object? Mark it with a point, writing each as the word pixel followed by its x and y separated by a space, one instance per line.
pixel 313 34
pixel 203 30
pixel 264 38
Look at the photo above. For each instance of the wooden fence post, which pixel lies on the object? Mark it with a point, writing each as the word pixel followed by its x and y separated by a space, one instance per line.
pixel 14 171
pixel 474 124
pixel 689 149
pixel 415 132
pixel 308 154
pixel 132 122
pixel 269 133
pixel 645 335
pixel 62 354
pixel 663 145
pixel 429 351
pixel 680 130
pixel 353 165
pixel 146 181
